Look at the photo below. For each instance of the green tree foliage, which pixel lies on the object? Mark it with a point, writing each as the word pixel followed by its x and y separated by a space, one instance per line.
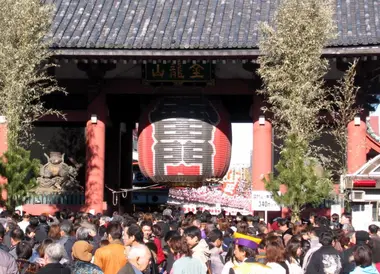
pixel 24 62
pixel 21 172
pixel 292 71
pixel 305 181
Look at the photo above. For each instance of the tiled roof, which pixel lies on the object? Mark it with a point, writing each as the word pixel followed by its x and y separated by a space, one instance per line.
pixel 191 24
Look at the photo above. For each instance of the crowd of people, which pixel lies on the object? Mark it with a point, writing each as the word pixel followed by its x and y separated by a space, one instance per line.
pixel 175 243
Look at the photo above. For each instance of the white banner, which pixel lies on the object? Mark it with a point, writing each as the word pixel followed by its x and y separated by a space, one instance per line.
pixel 213 209
pixel 263 201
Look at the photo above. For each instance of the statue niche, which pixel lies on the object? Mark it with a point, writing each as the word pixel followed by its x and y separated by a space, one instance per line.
pixel 57 176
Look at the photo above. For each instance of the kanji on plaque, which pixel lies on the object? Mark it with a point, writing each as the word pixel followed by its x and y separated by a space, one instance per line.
pixel 157 72
pixel 178 72
pixel 197 71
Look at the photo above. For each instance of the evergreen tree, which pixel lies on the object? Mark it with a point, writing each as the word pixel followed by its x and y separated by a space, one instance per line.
pixel 305 182
pixel 292 71
pixel 21 172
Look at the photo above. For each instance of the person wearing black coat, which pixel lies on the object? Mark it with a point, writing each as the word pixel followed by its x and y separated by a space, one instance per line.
pixel 54 268
pixel 326 259
pixel 42 229
pixel 53 254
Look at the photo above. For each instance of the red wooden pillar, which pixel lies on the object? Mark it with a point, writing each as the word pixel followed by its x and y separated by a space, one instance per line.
pixel 262 147
pixel 3 149
pixel 356 145
pixel 95 153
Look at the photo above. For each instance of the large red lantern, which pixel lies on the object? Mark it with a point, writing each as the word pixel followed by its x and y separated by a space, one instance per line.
pixel 184 141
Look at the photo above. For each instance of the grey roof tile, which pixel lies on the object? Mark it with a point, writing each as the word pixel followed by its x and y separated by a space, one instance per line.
pixel 163 37
pixel 154 23
pixel 191 24
pixel 247 11
pixel 109 20
pixel 130 8
pixel 100 30
pixel 180 25
pixel 217 25
pixel 208 25
pixel 199 25
pixel 136 24
pixel 72 35
pixel 236 23
pixel 77 35
pixel 226 24
pixel 84 40
pixel 117 25
pixel 146 24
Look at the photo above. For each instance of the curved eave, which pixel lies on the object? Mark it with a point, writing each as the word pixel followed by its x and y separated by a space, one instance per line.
pixel 202 53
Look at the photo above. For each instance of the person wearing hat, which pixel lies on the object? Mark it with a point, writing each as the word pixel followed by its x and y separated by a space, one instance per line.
pixel 244 252
pixel 82 257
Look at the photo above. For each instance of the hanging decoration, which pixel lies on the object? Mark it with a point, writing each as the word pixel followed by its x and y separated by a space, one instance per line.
pixel 184 141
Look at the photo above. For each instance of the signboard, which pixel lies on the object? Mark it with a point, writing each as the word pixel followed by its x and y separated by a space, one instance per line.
pixel 178 73
pixel 263 201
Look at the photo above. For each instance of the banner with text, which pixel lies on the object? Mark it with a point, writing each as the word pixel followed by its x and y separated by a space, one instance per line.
pixel 263 201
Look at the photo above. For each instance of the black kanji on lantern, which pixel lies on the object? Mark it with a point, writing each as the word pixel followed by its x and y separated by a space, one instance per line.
pixel 183 132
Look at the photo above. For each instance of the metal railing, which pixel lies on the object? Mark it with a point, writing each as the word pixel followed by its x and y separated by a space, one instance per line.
pixel 59 198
